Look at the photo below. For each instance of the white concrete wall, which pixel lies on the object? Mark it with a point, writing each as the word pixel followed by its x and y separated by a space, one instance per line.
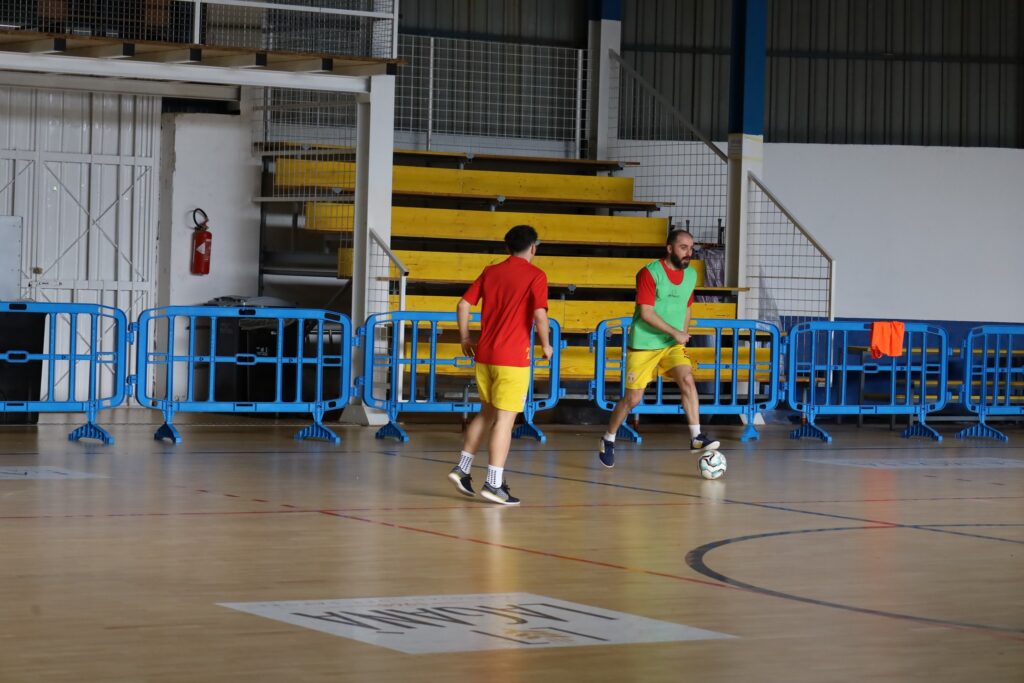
pixel 931 233
pixel 206 162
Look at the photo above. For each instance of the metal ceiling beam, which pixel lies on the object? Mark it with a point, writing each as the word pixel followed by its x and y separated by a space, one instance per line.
pixel 121 86
pixel 192 73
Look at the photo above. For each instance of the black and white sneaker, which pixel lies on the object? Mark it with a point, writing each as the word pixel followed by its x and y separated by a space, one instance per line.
pixel 499 495
pixel 607 453
pixel 463 482
pixel 703 442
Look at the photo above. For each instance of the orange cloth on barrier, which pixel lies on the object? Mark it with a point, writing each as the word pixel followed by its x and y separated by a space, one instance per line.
pixel 886 338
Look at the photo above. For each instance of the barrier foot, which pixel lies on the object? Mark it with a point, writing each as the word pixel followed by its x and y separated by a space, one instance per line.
pixel 810 429
pixel 91 430
pixel 529 429
pixel 982 431
pixel 392 430
pixel 749 433
pixel 167 431
pixel 921 429
pixel 317 431
pixel 628 433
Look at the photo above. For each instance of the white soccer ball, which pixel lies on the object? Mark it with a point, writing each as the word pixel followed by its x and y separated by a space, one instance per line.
pixel 712 465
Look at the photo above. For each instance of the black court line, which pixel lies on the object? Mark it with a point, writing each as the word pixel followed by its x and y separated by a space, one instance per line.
pixel 937 528
pixel 920 527
pixel 695 559
pixel 752 447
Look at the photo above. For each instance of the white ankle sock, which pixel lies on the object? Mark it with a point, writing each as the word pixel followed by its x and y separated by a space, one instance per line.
pixel 466 461
pixel 494 476
pixel 694 431
pixel 609 437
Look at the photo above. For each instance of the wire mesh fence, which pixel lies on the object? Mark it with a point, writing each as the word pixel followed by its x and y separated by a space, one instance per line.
pixel 307 139
pixel 791 277
pixel 385 291
pixel 470 95
pixel 678 164
pixel 387 278
pixel 364 28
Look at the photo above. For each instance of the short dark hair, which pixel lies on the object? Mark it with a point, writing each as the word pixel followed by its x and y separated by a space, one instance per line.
pixel 673 234
pixel 520 238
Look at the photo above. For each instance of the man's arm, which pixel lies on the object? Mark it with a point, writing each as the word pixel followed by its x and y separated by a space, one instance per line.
pixel 462 312
pixel 648 315
pixel 540 319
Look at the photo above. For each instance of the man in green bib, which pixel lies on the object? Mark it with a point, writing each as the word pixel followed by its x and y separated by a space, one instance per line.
pixel 657 340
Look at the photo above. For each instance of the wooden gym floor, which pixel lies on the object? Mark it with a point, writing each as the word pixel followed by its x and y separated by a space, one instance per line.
pixel 874 558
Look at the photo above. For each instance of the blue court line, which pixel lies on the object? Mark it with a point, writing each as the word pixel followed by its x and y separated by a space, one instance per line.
pixel 695 560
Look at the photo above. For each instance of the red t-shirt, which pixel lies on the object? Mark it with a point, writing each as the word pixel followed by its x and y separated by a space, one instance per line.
pixel 645 287
pixel 512 290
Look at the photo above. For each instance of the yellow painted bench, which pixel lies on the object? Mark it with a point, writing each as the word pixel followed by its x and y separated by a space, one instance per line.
pixel 456 268
pixel 578 362
pixel 461 224
pixel 572 314
pixel 303 173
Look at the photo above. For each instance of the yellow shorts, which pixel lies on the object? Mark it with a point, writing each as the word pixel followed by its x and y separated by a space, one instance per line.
pixel 642 366
pixel 503 386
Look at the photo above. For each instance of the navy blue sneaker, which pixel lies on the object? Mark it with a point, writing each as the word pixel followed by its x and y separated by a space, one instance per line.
pixel 607 453
pixel 703 442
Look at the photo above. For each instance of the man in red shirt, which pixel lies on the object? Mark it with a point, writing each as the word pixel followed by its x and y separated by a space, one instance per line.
pixel 515 297
pixel 657 340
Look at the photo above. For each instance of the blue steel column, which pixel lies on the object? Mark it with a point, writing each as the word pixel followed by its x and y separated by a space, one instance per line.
pixel 746 128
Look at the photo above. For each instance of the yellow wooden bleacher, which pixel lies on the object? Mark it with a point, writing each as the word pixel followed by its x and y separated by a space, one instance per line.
pixel 573 315
pixel 462 224
pixel 577 362
pixel 457 268
pixel 303 173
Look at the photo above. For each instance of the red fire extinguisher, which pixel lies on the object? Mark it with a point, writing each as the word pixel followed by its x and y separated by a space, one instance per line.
pixel 201 241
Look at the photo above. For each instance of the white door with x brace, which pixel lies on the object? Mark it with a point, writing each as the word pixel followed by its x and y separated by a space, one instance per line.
pixel 81 169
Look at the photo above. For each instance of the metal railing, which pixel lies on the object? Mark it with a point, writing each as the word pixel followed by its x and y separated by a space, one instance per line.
pixel 678 164
pixel 454 94
pixel 790 275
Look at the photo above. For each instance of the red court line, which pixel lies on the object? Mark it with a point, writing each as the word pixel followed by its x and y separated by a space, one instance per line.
pixel 468 507
pixel 210 513
pixel 533 551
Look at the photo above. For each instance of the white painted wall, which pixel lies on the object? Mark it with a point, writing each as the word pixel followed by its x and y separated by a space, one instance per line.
pixel 932 233
pixel 207 162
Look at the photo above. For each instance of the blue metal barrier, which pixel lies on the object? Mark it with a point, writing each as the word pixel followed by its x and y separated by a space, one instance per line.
pixel 827 362
pixel 994 368
pixel 403 362
pixel 737 366
pixel 192 340
pixel 76 334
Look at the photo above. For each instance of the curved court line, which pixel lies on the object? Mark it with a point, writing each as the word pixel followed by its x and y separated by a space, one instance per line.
pixel 695 560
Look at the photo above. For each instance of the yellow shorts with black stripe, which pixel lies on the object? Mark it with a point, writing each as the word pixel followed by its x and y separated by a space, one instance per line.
pixel 643 365
pixel 503 386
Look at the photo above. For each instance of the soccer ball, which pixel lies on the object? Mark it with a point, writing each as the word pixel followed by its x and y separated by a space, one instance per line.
pixel 712 465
